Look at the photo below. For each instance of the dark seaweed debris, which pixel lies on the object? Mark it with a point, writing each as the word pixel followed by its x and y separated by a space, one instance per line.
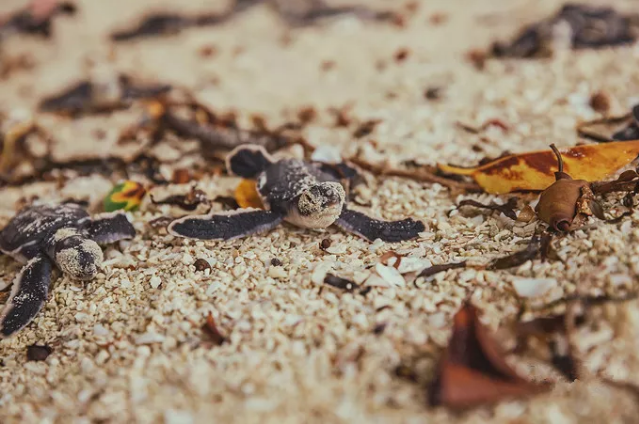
pixel 27 22
pixel 88 97
pixel 508 208
pixel 297 13
pixel 590 27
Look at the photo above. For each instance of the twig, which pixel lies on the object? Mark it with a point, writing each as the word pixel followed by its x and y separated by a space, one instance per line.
pixel 422 176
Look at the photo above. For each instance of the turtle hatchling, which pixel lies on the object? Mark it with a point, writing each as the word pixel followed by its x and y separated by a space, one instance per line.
pixel 291 190
pixel 42 236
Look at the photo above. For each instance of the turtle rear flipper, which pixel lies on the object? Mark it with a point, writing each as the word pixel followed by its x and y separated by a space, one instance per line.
pixel 28 295
pixel 225 226
pixel 109 228
pixel 371 229
pixel 248 161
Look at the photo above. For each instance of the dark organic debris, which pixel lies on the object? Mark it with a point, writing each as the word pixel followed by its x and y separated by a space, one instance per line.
pixel 211 332
pixel 90 97
pixel 628 181
pixel 566 202
pixel 219 135
pixel 325 244
pixel 612 128
pixel 38 352
pixel 341 283
pixel 436 269
pixel 189 201
pixel 508 208
pixel 536 247
pixel 366 127
pixel 386 257
pixel 276 262
pixel 433 93
pixel 35 19
pixel 579 26
pixel 202 264
pixel 473 370
pixel 422 175
pixel 295 13
pixel 600 102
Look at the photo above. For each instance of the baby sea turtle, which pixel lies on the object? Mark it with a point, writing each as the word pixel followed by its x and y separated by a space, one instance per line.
pixel 61 234
pixel 291 190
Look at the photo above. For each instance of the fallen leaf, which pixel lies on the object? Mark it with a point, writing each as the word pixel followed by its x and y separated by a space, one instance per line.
pixel 211 331
pixel 246 195
pixel 508 209
pixel 125 196
pixel 535 170
pixel 473 370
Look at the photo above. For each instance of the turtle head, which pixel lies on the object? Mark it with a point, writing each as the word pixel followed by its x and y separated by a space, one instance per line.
pixel 76 255
pixel 320 205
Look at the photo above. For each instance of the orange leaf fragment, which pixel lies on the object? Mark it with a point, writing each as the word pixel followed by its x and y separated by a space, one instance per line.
pixel 246 195
pixel 535 170
pixel 472 370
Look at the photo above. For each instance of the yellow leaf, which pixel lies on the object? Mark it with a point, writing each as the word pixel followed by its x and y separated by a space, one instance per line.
pixel 535 170
pixel 246 195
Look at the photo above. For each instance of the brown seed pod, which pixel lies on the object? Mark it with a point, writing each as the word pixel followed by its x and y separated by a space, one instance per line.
pixel 558 203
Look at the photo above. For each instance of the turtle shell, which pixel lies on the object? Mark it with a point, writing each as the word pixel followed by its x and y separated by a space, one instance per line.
pixel 24 235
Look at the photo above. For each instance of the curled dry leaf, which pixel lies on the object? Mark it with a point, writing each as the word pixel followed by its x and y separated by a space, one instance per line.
pixel 565 200
pixel 473 370
pixel 211 331
pixel 535 170
pixel 390 255
pixel 508 209
pixel 246 195
pixel 527 214
pixel 612 128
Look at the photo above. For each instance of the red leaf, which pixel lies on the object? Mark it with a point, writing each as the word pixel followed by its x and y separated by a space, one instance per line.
pixel 472 370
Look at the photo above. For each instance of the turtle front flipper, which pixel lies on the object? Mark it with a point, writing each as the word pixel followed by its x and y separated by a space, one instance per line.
pixel 28 295
pixel 227 225
pixel 248 161
pixel 371 229
pixel 109 228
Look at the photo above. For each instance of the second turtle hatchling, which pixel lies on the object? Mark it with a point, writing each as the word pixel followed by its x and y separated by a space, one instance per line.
pixel 291 190
pixel 53 235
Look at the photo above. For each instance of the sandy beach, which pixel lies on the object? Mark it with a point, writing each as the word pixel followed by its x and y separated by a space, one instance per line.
pixel 128 346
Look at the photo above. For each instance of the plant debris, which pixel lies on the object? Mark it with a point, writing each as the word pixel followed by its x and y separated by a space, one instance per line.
pixel 537 246
pixel 36 19
pixel 201 264
pixel 535 170
pixel 473 369
pixel 125 196
pixel 246 195
pixel 436 269
pixel 211 332
pixel 508 208
pixel 172 23
pixel 189 201
pixel 576 25
pixel 91 97
pixel 612 128
pixel 341 283
pixel 422 175
pixel 38 352
pixel 366 127
pixel 566 200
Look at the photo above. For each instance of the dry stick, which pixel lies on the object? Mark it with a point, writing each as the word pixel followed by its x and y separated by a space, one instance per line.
pixel 427 177
pixel 560 160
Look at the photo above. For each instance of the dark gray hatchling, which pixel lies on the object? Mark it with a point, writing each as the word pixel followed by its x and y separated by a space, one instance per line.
pixel 42 236
pixel 291 190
